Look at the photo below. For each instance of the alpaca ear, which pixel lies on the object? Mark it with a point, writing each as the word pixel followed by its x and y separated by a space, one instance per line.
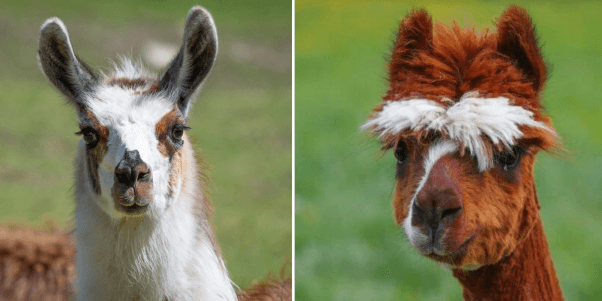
pixel 61 66
pixel 195 59
pixel 517 39
pixel 415 34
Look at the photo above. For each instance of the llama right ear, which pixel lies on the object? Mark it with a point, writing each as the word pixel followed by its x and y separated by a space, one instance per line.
pixel 195 59
pixel 60 64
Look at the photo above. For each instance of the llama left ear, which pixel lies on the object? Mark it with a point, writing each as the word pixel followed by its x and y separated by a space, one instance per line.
pixel 517 39
pixel 195 59
pixel 62 67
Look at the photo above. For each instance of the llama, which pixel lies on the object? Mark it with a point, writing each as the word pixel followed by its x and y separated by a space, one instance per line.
pixel 142 220
pixel 463 115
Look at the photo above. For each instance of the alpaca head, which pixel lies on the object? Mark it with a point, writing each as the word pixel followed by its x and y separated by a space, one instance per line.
pixel 463 116
pixel 132 123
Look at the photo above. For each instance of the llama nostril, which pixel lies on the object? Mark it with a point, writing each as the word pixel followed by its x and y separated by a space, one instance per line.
pixel 143 176
pixel 123 176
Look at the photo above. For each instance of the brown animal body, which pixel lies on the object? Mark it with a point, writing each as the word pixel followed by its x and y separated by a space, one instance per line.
pixel 464 116
pixel 36 265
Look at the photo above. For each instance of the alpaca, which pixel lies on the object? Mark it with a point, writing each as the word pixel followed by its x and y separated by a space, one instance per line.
pixel 142 220
pixel 36 264
pixel 463 115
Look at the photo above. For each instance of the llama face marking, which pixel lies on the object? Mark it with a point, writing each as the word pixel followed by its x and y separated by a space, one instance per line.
pixel 142 135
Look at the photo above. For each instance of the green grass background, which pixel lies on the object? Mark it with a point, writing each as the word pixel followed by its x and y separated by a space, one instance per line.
pixel 241 123
pixel 347 246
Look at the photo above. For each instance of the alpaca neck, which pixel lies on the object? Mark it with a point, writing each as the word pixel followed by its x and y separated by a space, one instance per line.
pixel 526 274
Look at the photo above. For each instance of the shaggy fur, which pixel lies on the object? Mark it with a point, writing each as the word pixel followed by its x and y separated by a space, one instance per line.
pixel 36 264
pixel 464 116
pixel 269 291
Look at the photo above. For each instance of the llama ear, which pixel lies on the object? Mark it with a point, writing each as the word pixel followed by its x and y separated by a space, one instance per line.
pixel 195 59
pixel 415 34
pixel 60 64
pixel 517 39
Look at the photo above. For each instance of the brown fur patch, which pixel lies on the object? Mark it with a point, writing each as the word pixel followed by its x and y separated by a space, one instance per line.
pixel 162 128
pixel 269 291
pixel 36 264
pixel 96 154
pixel 167 148
pixel 136 83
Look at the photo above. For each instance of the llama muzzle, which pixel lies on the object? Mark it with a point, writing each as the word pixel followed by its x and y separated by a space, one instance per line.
pixel 133 187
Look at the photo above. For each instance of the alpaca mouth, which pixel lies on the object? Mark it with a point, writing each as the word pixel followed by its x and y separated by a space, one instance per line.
pixel 451 257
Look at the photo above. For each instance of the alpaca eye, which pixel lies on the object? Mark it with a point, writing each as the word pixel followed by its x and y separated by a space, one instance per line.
pixel 90 136
pixel 509 160
pixel 401 152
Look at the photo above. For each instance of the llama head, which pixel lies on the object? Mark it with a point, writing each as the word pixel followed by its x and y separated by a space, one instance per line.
pixel 463 115
pixel 132 123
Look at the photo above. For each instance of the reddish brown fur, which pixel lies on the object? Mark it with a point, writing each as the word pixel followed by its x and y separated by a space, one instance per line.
pixel 96 154
pixel 165 146
pixel 128 83
pixel 36 265
pixel 500 224
pixel 269 291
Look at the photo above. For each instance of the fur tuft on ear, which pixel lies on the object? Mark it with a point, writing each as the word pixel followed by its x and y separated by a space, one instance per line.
pixel 517 39
pixel 415 34
pixel 61 66
pixel 194 60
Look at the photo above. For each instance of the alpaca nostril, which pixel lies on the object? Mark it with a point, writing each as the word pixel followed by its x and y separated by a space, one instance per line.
pixel 450 213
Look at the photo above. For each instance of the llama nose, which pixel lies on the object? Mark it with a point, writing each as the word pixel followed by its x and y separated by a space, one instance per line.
pixel 435 209
pixel 131 169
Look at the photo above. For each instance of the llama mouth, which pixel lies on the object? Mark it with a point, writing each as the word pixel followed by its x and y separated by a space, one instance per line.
pixel 134 209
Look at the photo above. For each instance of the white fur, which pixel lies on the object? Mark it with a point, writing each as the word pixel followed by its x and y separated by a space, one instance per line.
pixel 416 238
pixel 464 122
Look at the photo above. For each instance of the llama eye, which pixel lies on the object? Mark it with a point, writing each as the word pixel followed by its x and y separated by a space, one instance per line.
pixel 509 159
pixel 401 152
pixel 90 136
pixel 177 132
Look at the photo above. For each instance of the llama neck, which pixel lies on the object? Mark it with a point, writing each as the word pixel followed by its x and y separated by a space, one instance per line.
pixel 527 274
pixel 171 257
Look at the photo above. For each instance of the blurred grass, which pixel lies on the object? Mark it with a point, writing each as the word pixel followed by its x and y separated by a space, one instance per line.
pixel 241 123
pixel 347 246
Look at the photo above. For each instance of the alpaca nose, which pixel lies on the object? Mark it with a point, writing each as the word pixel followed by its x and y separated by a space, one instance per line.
pixel 435 208
pixel 131 169
pixel 438 203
